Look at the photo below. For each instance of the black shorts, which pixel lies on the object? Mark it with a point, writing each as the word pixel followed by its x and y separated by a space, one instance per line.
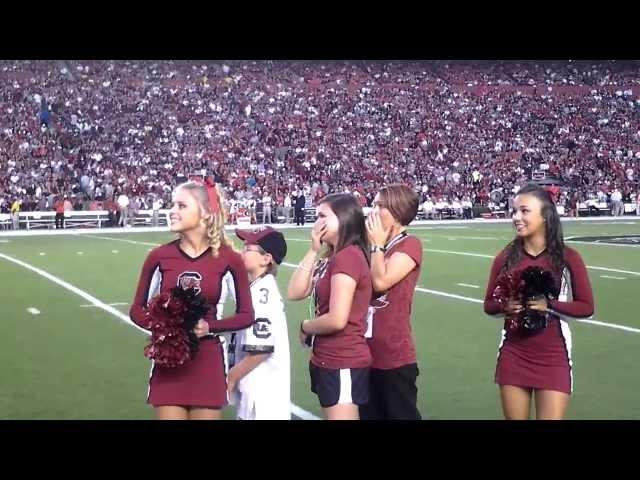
pixel 340 386
pixel 394 394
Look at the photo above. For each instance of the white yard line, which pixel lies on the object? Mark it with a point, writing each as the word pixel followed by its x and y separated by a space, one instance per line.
pixel 611 325
pixel 614 278
pixel 87 296
pixel 438 292
pixel 302 413
pixel 483 255
pixel 299 412
pixel 615 270
pixel 460 237
pixel 134 242
pixel 110 304
pixel 451 252
pixel 603 244
pixel 467 285
pixel 449 295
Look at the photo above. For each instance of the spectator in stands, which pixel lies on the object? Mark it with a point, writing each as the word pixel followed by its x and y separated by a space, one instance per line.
pixel 456 206
pixel 123 209
pixel 300 208
pixel 486 129
pixel 251 210
pixel 638 202
pixel 266 207
pixel 68 206
pixel 112 212
pixel 428 208
pixel 58 206
pixel 467 207
pixel 617 207
pixel 77 203
pixel 156 206
pixel 15 213
pixel 287 207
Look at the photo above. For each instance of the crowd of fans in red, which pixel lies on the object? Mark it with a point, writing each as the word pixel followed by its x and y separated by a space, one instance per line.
pixel 93 130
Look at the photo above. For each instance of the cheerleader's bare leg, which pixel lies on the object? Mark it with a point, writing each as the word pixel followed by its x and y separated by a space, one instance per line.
pixel 170 412
pixel 516 402
pixel 551 405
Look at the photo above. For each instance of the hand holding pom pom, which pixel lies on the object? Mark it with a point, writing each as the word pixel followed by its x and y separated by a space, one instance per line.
pixel 172 319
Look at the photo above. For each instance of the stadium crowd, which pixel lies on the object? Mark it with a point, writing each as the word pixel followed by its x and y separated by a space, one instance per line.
pixel 120 135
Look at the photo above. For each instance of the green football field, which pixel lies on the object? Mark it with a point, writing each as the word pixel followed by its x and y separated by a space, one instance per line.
pixel 61 357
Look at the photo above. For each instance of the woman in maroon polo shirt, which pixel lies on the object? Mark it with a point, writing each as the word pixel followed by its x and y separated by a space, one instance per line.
pixel 396 258
pixel 538 362
pixel 200 258
pixel 339 282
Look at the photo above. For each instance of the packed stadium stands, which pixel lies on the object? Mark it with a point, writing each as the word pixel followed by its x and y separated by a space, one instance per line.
pixel 464 134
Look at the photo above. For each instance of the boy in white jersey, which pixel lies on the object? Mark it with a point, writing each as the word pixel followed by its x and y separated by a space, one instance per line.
pixel 259 377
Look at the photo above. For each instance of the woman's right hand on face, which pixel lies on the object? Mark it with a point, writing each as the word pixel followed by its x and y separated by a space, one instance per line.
pixel 317 232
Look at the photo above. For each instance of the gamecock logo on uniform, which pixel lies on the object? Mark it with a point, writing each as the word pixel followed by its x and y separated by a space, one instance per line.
pixel 190 280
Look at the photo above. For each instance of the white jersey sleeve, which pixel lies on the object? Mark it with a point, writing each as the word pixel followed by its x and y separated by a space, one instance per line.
pixel 227 291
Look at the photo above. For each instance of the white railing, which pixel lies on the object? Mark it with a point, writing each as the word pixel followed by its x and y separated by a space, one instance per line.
pixel 80 219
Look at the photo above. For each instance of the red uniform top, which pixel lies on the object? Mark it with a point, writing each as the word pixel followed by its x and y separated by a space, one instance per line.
pixel 392 343
pixel 348 347
pixel 573 282
pixel 59 206
pixel 168 266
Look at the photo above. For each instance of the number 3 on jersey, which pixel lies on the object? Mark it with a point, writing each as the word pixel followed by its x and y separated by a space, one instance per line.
pixel 264 299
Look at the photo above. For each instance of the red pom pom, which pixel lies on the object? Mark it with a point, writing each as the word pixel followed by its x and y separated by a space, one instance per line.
pixel 169 346
pixel 509 286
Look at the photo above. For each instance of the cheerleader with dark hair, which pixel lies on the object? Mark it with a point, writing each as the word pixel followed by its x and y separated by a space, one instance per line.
pixel 534 360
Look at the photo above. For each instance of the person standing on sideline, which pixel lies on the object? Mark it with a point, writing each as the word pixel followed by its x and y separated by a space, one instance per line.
pixel 396 261
pixel 123 208
pixel 15 213
pixel 617 207
pixel 59 208
pixel 300 208
pixel 266 207
pixel 156 206
pixel 287 207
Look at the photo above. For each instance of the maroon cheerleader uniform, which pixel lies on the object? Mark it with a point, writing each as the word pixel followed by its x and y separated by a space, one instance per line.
pixel 542 360
pixel 201 381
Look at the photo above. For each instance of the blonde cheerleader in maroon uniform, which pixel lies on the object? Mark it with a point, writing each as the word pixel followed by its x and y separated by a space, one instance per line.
pixel 200 258
pixel 536 364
